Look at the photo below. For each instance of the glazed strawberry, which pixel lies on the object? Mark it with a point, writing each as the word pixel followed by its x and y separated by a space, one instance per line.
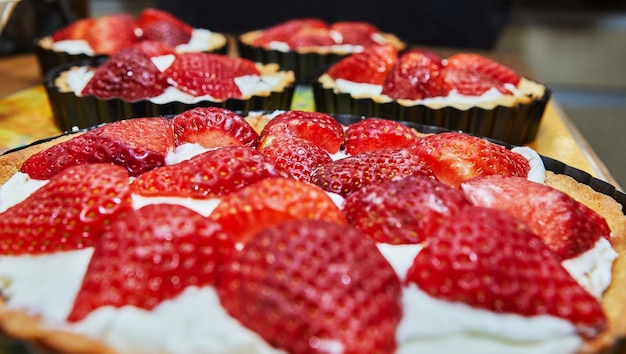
pixel 370 66
pixel 152 255
pixel 270 201
pixel 68 213
pixel 153 48
pixel 456 157
pixel 213 127
pixel 111 33
pixel 403 211
pixel 311 37
pixel 472 74
pixel 416 75
pixel 139 144
pixel 355 32
pixel 490 260
pixel 568 227
pixel 284 31
pixel 204 74
pixel 298 157
pixel 208 175
pixel 316 127
pixel 347 175
pixel 75 30
pixel 307 286
pixel 150 15
pixel 375 133
pixel 166 32
pixel 128 74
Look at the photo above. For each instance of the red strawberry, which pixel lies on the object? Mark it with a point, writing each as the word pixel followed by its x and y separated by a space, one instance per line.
pixel 456 157
pixel 69 212
pixel 490 260
pixel 308 286
pixel 315 127
pixel 150 15
pixel 568 227
pixel 283 32
pixel 204 74
pixel 403 211
pixel 152 255
pixel 375 133
pixel 347 175
pixel 209 175
pixel 128 74
pixel 472 74
pixel 138 144
pixel 213 127
pixel 75 30
pixel 112 33
pixel 416 75
pixel 241 66
pixel 298 157
pixel 154 48
pixel 370 66
pixel 355 32
pixel 311 37
pixel 166 32
pixel 270 201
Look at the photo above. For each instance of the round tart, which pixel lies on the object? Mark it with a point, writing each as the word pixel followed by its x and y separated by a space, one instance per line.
pixel 296 231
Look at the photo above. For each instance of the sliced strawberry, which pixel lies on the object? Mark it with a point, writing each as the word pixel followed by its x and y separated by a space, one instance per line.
pixel 456 157
pixel 151 15
pixel 75 30
pixel 472 74
pixel 152 255
pixel 490 260
pixel 270 201
pixel 315 127
pixel 241 66
pixel 128 74
pixel 298 157
pixel 403 211
pixel 347 175
pixel 204 74
pixel 370 66
pixel 307 286
pixel 112 33
pixel 568 227
pixel 166 32
pixel 311 37
pixel 138 144
pixel 375 133
pixel 416 75
pixel 209 175
pixel 284 31
pixel 69 212
pixel 355 32
pixel 154 48
pixel 213 127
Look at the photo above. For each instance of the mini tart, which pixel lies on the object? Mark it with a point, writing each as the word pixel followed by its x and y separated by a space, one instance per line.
pixel 511 119
pixel 307 63
pixel 73 111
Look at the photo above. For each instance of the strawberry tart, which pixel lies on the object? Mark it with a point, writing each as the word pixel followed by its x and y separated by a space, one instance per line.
pixel 465 91
pixel 143 80
pixel 309 45
pixel 290 232
pixel 93 37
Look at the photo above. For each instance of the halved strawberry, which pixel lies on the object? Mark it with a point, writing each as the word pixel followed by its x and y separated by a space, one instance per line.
pixel 298 157
pixel 473 74
pixel 490 260
pixel 376 133
pixel 75 30
pixel 355 32
pixel 128 74
pixel 152 255
pixel 282 32
pixel 315 127
pixel 348 174
pixel 567 227
pixel 311 37
pixel 154 48
pixel 403 211
pixel 308 286
pixel 139 144
pixel 166 32
pixel 150 15
pixel 417 74
pixel 456 157
pixel 270 201
pixel 370 66
pixel 69 212
pixel 213 127
pixel 208 175
pixel 111 33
